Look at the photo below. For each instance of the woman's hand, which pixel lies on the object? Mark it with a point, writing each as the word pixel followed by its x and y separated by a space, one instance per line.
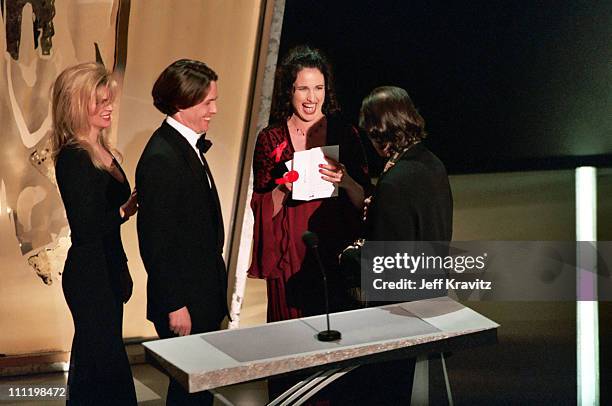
pixel 130 207
pixel 285 187
pixel 279 194
pixel 336 173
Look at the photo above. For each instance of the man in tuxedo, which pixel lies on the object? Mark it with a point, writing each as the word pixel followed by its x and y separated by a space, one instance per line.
pixel 180 229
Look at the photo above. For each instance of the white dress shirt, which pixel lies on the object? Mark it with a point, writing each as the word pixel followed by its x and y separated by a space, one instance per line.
pixel 187 133
pixel 190 135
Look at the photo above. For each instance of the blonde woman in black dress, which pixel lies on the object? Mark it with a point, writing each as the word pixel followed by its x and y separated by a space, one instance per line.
pixel 97 198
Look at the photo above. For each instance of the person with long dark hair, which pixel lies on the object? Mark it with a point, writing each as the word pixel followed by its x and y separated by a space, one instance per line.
pixel 96 194
pixel 412 201
pixel 304 115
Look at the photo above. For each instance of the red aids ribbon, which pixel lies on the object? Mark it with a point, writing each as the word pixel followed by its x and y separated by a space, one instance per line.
pixel 278 151
pixel 288 177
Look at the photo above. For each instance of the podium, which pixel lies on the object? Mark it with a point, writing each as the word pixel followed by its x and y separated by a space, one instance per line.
pixel 397 331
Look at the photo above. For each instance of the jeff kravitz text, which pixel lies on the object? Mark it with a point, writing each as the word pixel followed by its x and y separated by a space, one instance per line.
pixel 436 284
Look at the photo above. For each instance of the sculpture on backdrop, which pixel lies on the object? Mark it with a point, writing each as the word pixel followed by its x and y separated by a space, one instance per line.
pixel 34 214
pixel 44 11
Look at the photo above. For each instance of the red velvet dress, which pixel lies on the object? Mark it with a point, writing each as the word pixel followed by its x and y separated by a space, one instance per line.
pixel 294 282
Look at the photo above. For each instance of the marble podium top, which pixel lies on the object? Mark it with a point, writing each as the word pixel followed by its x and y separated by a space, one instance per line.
pixel 220 358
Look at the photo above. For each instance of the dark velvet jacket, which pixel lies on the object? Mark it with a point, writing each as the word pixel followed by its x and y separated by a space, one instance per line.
pixel 412 200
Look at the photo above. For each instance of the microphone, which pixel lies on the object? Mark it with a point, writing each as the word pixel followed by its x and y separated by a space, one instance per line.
pixel 312 241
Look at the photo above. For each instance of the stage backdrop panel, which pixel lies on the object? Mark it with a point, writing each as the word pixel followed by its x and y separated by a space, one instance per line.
pixel 224 35
pixel 147 37
pixel 33 227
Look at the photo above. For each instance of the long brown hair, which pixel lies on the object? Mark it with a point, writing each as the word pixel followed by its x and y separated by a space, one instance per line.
pixel 388 116
pixel 299 58
pixel 72 94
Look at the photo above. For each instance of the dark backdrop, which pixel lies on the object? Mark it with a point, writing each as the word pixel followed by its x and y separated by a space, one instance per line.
pixel 502 85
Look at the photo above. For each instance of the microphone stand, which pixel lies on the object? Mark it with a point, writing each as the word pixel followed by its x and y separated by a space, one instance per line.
pixel 311 240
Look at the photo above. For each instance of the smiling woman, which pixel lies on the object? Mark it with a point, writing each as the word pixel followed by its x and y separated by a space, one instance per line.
pixel 96 194
pixel 303 117
pixel 100 109
pixel 308 94
pixel 83 98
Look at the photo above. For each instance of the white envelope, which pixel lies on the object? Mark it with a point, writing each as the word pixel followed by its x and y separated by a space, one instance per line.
pixel 309 185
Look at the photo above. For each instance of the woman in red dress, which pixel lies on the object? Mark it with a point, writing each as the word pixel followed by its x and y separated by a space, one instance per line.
pixel 304 116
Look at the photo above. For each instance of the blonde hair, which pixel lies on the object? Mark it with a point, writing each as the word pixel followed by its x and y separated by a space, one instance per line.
pixel 72 94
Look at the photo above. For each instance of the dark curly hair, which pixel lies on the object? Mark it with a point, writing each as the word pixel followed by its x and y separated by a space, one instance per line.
pixel 181 85
pixel 388 116
pixel 298 58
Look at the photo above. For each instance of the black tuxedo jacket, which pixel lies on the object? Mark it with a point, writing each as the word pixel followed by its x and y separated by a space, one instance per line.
pixel 180 233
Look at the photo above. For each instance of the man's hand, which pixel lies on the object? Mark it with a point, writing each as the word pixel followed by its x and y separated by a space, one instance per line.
pixel 179 321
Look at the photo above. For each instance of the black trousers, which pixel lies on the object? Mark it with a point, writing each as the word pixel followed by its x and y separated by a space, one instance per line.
pixel 177 395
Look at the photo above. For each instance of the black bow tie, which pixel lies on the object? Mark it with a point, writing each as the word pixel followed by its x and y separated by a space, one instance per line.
pixel 203 145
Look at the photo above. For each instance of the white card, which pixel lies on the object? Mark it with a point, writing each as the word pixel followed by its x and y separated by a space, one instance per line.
pixel 309 185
